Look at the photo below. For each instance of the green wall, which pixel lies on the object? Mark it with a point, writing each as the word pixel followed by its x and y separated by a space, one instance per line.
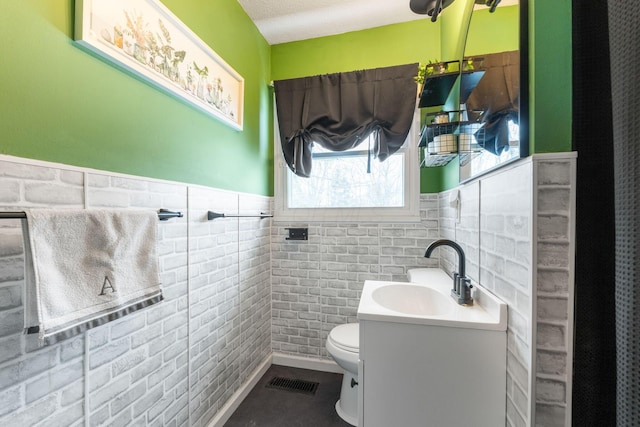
pixel 58 103
pixel 453 21
pixel 487 37
pixel 416 41
pixel 550 79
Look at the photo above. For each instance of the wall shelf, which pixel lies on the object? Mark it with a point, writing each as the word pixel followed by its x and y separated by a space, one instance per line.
pixel 435 91
pixel 469 81
pixel 436 88
pixel 431 130
pixel 466 148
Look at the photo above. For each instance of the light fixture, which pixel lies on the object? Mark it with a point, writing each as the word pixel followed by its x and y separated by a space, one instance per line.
pixel 491 4
pixel 434 7
pixel 430 7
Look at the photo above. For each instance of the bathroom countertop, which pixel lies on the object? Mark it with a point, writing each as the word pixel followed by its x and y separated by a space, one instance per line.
pixel 487 311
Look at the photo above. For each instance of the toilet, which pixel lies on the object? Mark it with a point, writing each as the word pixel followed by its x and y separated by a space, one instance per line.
pixel 343 344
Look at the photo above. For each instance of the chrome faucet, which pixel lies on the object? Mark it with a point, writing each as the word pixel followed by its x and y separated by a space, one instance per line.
pixel 461 291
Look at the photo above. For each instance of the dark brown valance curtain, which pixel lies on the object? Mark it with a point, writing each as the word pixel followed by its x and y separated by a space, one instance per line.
pixel 497 95
pixel 339 111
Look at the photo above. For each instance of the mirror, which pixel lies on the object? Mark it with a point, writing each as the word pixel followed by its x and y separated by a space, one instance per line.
pixel 493 45
pixel 473 105
pixel 479 43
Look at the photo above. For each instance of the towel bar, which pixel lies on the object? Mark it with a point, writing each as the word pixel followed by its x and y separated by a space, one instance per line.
pixel 163 215
pixel 213 215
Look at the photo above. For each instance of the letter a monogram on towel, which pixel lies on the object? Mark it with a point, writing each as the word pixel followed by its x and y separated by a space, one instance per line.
pixel 107 286
pixel 84 268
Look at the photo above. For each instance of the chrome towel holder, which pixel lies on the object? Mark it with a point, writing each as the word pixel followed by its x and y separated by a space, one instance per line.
pixel 163 215
pixel 213 215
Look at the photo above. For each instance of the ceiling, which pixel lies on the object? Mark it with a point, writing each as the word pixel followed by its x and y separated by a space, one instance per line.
pixel 282 21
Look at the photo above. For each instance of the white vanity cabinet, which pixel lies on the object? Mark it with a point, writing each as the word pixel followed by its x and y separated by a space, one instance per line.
pixel 422 372
pixel 431 376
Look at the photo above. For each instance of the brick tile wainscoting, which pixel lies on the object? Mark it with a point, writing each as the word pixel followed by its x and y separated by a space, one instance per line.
pixel 236 291
pixel 555 263
pixel 514 226
pixel 316 283
pixel 175 362
pixel 521 221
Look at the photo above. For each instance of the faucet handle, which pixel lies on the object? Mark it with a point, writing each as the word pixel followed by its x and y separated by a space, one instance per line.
pixel 465 291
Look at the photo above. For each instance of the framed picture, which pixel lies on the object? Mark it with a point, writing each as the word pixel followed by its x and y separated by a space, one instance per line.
pixel 145 38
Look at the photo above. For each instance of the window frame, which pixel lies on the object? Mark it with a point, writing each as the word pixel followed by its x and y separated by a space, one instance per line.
pixel 410 212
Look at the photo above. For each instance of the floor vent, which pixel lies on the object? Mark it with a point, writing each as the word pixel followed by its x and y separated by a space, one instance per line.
pixel 297 386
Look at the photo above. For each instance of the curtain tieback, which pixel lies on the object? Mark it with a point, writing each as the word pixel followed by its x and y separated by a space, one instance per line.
pixel 296 139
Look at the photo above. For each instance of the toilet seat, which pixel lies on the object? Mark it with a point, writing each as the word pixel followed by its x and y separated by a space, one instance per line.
pixel 346 337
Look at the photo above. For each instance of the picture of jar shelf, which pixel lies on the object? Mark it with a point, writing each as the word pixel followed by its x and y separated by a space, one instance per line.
pixel 144 37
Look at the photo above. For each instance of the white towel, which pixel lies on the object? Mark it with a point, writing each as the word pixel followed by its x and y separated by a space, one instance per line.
pixel 84 268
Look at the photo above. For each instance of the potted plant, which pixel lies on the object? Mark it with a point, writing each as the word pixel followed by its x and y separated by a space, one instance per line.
pixel 429 69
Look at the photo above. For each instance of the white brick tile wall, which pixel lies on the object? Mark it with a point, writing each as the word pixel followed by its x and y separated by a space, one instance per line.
pixel 507 246
pixel 506 221
pixel 32 415
pixel 496 230
pixel 316 284
pixel 139 365
pixel 131 358
pixel 36 384
pixel 236 290
pixel 10 400
pixel 47 194
pixel 55 379
pixel 10 192
pixel 214 300
pixel 555 181
pixel 511 236
pixel 27 172
pixel 255 284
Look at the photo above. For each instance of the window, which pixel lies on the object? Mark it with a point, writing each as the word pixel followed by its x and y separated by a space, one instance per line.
pixel 340 189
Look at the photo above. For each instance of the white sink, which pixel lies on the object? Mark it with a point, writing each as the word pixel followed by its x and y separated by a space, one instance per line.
pixel 422 354
pixel 412 299
pixel 429 302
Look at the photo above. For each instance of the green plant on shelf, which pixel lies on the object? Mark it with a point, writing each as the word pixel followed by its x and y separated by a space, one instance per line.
pixel 429 69
pixel 468 65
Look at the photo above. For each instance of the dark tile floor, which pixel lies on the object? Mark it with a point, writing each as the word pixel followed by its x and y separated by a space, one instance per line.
pixel 268 407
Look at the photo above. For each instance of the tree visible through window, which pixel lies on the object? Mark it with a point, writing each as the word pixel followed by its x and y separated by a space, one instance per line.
pixel 340 180
pixel 340 189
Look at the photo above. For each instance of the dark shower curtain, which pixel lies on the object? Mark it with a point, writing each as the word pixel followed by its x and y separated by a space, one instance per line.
pixel 624 34
pixel 606 108
pixel 594 364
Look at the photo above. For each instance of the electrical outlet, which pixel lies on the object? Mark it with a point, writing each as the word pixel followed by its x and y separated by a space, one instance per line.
pixel 298 234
